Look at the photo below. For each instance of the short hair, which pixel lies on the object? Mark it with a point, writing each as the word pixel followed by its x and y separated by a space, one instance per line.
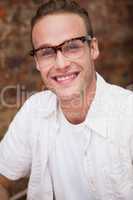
pixel 62 6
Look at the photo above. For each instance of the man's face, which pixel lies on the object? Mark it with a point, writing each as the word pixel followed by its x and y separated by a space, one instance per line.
pixel 65 76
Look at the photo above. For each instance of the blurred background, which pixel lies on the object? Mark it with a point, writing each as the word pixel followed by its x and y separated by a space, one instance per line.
pixel 112 23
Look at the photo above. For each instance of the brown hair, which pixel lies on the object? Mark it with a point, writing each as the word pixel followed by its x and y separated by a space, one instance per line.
pixel 62 6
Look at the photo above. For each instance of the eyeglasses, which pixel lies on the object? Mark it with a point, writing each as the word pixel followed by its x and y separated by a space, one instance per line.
pixel 71 49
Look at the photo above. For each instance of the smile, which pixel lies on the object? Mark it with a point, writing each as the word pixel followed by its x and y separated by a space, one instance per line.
pixel 65 79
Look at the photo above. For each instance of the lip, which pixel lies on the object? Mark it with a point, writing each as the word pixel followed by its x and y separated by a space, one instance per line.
pixel 65 79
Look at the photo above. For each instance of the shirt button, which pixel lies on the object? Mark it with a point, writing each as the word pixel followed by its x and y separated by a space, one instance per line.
pixel 85 153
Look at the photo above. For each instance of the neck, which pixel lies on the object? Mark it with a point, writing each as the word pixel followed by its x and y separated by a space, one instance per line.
pixel 76 106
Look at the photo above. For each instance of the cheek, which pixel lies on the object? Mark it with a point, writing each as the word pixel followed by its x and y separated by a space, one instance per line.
pixel 45 73
pixel 87 65
pixel 44 76
pixel 89 61
pixel 86 61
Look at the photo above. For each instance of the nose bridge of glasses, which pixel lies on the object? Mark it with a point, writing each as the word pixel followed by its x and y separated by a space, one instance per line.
pixel 61 60
pixel 59 51
pixel 59 48
pixel 59 55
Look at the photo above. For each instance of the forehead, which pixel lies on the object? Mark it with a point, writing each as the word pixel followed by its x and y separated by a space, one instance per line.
pixel 56 28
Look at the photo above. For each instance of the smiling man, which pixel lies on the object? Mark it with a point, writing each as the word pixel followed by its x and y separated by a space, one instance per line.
pixel 75 140
pixel 64 52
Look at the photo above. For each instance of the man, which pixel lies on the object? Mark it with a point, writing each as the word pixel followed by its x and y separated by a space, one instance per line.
pixel 75 140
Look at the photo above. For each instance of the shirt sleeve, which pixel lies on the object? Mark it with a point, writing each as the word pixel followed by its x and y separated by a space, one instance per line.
pixel 15 153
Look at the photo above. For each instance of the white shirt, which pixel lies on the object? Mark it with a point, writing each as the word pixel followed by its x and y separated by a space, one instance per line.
pixel 108 151
pixel 66 161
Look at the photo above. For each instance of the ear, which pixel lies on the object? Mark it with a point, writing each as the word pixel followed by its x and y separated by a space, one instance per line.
pixel 37 64
pixel 94 50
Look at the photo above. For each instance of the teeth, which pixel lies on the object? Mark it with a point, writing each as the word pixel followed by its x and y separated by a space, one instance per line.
pixel 64 78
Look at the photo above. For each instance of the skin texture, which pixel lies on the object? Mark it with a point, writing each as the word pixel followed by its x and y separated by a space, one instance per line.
pixel 5 187
pixel 3 193
pixel 75 94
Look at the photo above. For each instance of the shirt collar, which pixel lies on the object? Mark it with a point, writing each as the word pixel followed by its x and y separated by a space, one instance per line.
pixel 97 115
pixel 46 104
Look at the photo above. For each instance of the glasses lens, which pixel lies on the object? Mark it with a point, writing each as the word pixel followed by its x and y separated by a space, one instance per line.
pixel 73 49
pixel 46 55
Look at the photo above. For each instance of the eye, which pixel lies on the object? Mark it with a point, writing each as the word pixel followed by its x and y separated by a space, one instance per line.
pixel 73 45
pixel 46 52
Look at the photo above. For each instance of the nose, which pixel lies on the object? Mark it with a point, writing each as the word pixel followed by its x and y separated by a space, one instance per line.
pixel 61 61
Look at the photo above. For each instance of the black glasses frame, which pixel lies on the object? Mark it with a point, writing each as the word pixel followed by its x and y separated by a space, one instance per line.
pixel 86 38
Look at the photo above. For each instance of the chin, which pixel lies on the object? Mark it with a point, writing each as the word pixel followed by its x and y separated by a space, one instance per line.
pixel 67 93
pixel 63 94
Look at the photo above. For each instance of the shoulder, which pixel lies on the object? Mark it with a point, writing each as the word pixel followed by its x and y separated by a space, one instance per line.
pixel 119 92
pixel 41 103
pixel 112 91
pixel 120 109
pixel 41 97
pixel 113 97
pixel 117 110
pixel 31 116
pixel 120 114
pixel 119 97
pixel 113 102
